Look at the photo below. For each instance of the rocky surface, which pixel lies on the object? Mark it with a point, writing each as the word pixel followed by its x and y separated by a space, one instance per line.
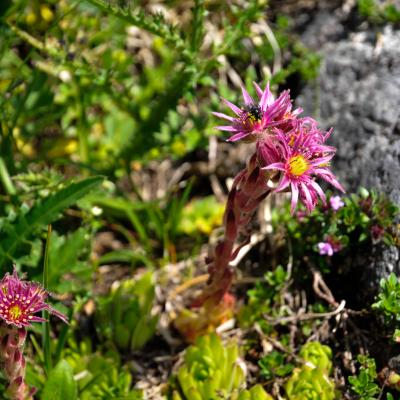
pixel 358 93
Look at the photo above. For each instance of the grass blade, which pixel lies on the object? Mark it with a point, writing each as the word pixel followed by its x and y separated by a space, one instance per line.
pixel 46 325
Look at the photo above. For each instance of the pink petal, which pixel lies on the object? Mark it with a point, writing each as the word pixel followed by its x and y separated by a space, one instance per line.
pixel 220 115
pixel 328 134
pixel 328 176
pixel 280 166
pixel 266 99
pixel 320 171
pixel 318 189
pixel 57 313
pixel 322 160
pixel 333 181
pixel 227 128
pixel 295 197
pixel 283 184
pixel 258 90
pixel 308 200
pixel 247 98
pixel 297 111
pixel 238 136
pixel 234 108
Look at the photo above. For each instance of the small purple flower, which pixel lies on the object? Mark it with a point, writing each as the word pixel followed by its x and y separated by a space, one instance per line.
pixel 330 246
pixel 20 300
pixel 325 249
pixel 336 202
pixel 257 117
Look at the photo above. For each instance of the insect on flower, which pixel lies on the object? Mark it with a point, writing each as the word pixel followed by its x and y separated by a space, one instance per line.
pixel 292 147
pixel 254 119
pixel 20 300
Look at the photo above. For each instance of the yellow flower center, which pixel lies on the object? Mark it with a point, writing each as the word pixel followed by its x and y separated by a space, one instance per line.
pixel 298 165
pixel 15 312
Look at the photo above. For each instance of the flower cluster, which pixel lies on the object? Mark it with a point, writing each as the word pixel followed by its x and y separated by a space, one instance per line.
pixel 290 153
pixel 20 300
pixel 292 149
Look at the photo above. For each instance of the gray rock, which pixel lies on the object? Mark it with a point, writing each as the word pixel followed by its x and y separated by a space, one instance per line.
pixel 325 27
pixel 358 93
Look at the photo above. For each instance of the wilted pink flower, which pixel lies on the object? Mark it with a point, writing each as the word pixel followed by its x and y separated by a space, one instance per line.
pixel 20 300
pixel 325 248
pixel 257 117
pixel 303 156
pixel 336 202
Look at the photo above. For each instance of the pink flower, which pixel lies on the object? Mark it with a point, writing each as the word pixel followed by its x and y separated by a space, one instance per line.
pixel 330 246
pixel 257 117
pixel 303 157
pixel 336 202
pixel 20 300
pixel 325 248
pixel 294 148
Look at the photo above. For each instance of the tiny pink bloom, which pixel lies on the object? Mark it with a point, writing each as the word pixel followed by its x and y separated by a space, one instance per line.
pixel 256 117
pixel 325 249
pixel 20 300
pixel 303 157
pixel 336 202
pixel 330 246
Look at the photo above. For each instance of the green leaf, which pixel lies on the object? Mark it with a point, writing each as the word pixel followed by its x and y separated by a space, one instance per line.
pixel 44 213
pixel 60 384
pixel 153 23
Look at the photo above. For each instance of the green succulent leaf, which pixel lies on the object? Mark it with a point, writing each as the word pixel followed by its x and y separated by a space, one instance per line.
pixel 211 370
pixel 60 384
pixel 125 315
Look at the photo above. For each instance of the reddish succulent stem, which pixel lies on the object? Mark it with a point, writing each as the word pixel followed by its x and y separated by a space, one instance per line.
pixel 12 361
pixel 249 189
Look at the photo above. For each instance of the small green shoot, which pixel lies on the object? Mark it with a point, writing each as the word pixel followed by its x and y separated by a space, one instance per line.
pixel 364 384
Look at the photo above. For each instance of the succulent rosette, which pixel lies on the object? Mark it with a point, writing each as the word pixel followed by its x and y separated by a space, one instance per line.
pixel 20 300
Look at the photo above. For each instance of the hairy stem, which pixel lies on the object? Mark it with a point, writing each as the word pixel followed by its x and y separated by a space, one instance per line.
pixel 12 361
pixel 248 191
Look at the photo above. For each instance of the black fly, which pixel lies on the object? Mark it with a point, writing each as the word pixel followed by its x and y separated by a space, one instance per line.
pixel 253 112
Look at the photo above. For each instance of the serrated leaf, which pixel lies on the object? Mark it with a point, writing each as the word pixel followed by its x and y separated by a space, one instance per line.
pixel 44 213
